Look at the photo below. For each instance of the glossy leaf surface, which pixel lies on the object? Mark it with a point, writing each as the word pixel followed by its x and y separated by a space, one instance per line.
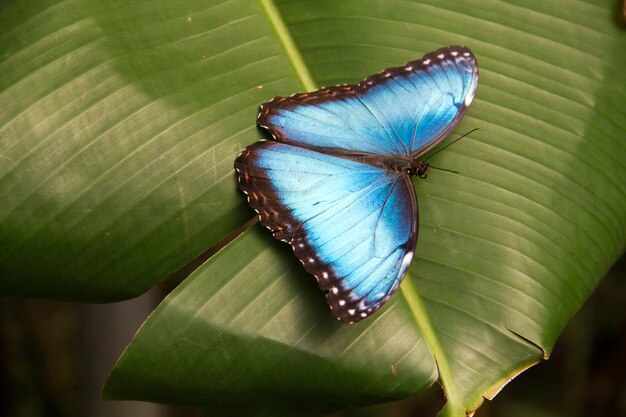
pixel 119 123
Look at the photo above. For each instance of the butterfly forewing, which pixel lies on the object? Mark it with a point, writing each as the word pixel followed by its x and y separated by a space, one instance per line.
pixel 400 111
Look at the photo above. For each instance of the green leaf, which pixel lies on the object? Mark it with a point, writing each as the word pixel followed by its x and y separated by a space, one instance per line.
pixel 249 330
pixel 119 123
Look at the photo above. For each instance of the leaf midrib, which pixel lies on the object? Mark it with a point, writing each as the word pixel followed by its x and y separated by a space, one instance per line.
pixel 292 51
pixel 425 326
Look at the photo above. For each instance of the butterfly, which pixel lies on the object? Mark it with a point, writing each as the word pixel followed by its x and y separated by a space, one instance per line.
pixel 335 182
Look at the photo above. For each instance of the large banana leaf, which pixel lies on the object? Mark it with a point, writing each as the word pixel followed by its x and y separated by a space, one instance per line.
pixel 119 123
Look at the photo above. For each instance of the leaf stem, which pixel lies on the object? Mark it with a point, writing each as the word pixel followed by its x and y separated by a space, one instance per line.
pixel 285 37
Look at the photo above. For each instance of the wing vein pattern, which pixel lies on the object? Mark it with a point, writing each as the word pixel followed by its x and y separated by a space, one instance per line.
pixel 335 181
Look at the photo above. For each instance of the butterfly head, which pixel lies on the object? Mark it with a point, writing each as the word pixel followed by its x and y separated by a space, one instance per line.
pixel 421 169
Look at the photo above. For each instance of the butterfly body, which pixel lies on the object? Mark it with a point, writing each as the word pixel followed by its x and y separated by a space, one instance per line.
pixel 336 181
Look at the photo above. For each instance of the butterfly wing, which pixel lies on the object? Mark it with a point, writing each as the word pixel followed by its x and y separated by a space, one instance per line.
pixel 353 226
pixel 401 111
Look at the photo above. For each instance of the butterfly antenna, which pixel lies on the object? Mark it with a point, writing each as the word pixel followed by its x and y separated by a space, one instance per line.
pixel 448 145
pixel 444 169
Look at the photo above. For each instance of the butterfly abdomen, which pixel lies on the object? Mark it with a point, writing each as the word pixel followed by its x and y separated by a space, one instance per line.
pixel 396 163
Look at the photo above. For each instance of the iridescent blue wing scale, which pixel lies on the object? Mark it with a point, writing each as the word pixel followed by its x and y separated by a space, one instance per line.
pixel 353 225
pixel 400 111
pixel 331 183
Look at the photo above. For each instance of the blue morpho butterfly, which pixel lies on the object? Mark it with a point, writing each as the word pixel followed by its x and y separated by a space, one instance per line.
pixel 336 182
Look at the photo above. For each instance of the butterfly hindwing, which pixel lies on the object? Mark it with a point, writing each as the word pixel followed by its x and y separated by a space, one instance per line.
pixel 353 225
pixel 401 111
